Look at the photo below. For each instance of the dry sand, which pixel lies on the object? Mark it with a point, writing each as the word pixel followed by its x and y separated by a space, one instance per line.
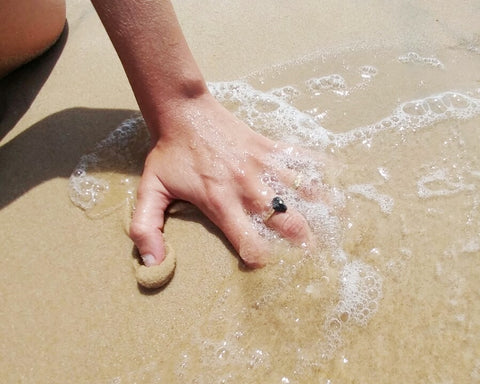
pixel 70 308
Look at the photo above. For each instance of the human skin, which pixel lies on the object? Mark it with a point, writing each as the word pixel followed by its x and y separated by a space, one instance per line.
pixel 200 152
pixel 27 29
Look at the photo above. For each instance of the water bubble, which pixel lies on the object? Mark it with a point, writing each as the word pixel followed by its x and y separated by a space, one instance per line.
pixel 414 108
pixel 368 72
pixel 222 353
pixel 334 324
pixel 287 93
pixel 257 358
pixel 266 106
pixel 334 83
pixel 455 100
pixel 415 58
pixel 436 105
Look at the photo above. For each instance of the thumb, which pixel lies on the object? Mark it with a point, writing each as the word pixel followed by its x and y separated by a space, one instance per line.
pixel 148 220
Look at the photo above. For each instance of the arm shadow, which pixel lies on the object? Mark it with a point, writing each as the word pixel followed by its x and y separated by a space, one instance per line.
pixel 52 148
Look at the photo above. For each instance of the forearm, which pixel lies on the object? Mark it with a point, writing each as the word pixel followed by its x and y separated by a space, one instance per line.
pixel 156 58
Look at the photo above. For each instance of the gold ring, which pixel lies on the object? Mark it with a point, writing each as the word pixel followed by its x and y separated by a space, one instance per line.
pixel 277 205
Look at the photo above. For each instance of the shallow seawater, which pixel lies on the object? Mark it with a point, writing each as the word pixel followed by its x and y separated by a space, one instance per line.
pixel 392 295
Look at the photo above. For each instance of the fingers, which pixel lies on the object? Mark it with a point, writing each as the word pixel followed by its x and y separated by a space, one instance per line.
pixel 238 227
pixel 255 249
pixel 291 225
pixel 148 220
pixel 300 172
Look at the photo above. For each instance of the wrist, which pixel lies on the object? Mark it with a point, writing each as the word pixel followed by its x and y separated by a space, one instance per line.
pixel 158 102
pixel 165 113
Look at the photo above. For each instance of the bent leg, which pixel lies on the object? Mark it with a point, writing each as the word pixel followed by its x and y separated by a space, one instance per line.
pixel 27 29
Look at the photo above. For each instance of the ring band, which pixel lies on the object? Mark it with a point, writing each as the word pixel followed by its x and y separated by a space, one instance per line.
pixel 278 205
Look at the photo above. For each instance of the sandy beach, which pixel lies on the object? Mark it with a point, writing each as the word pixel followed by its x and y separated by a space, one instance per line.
pixel 70 308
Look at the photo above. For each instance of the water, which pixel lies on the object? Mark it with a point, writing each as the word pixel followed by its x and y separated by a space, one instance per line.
pixel 392 295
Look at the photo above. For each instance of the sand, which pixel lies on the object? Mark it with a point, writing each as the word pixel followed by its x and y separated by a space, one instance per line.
pixel 156 276
pixel 70 306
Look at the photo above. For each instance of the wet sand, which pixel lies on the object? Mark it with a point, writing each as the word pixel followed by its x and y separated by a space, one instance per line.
pixel 70 308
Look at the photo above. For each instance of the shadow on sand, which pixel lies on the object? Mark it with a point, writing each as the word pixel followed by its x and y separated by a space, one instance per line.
pixel 53 146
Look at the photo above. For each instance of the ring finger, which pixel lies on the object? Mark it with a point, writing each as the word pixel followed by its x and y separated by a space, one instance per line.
pixel 288 222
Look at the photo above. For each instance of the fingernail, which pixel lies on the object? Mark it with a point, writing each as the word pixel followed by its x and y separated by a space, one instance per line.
pixel 148 260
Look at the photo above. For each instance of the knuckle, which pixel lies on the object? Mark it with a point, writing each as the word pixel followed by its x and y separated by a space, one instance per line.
pixel 258 205
pixel 138 231
pixel 217 201
pixel 143 191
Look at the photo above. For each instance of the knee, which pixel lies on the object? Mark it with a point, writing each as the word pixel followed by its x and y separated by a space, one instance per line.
pixel 27 29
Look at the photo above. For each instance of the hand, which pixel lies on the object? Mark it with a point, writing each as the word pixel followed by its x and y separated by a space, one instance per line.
pixel 206 156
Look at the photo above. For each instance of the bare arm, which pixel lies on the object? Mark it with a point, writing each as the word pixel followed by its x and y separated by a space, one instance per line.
pixel 200 152
pixel 154 53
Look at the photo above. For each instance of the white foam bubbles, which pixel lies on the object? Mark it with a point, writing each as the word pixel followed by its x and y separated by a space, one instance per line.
pixel 287 93
pixel 359 297
pixel 368 72
pixel 415 58
pixel 369 192
pixel 87 191
pixel 102 178
pixel 440 182
pixel 317 200
pixel 334 83
pixel 384 173
pixel 360 293
pixel 417 114
pixel 270 113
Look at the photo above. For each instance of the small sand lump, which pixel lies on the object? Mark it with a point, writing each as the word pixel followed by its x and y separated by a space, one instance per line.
pixel 158 275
